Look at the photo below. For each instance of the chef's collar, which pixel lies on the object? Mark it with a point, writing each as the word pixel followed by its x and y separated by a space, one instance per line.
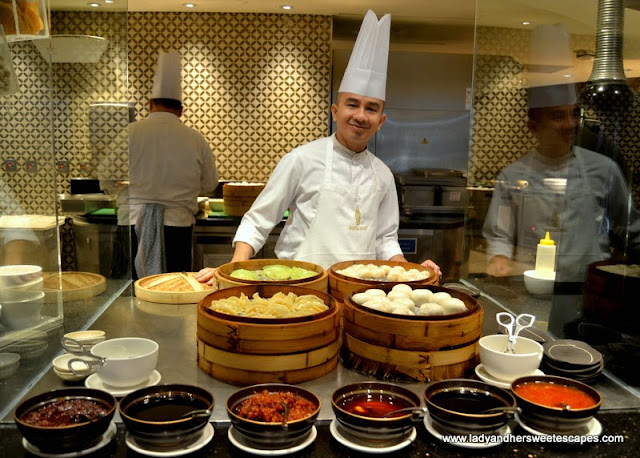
pixel 162 114
pixel 340 148
pixel 557 163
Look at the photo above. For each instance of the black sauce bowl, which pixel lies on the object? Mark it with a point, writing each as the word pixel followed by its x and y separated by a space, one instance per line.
pixel 375 431
pixel 459 405
pixel 153 414
pixel 70 438
pixel 555 419
pixel 272 435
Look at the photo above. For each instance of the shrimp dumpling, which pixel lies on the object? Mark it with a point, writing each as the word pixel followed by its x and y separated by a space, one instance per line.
pixel 453 305
pixel 431 309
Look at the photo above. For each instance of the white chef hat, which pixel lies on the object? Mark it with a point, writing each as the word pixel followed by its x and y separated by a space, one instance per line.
pixel 366 73
pixel 553 96
pixel 167 83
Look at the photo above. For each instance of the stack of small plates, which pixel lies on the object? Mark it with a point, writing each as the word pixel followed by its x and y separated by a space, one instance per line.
pixel 572 359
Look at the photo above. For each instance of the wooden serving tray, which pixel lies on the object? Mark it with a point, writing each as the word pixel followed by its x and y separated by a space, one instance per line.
pixel 172 288
pixel 73 286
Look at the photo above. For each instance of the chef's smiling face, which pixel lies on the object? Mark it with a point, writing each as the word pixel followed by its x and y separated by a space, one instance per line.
pixel 358 118
pixel 555 128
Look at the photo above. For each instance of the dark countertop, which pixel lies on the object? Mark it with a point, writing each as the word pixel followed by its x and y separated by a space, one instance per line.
pixel 624 424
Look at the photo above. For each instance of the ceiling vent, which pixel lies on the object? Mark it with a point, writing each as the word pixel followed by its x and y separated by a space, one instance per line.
pixel 85 49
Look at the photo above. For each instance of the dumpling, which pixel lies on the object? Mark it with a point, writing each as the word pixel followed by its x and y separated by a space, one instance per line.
pixel 378 273
pixel 375 292
pixel 393 295
pixel 431 309
pixel 360 298
pixel 245 274
pixel 421 296
pixel 403 310
pixel 453 305
pixel 405 301
pixel 277 272
pixel 402 287
pixel 441 296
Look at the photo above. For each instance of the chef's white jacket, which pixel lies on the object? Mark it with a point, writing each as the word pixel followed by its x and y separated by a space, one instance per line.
pixel 294 185
pixel 169 164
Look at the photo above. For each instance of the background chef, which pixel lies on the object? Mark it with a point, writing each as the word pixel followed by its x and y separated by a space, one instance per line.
pixel 342 199
pixel 170 166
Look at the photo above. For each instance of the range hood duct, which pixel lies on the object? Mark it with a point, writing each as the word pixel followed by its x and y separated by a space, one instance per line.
pixel 84 49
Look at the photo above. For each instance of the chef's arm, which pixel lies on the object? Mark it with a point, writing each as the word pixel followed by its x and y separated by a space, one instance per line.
pixel 242 252
pixel 499 266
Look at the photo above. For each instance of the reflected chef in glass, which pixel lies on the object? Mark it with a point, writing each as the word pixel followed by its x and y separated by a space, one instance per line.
pixel 342 199
pixel 579 196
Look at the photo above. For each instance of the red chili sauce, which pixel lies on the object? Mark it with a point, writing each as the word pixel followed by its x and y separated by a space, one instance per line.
pixel 267 407
pixel 375 406
pixel 554 395
pixel 64 412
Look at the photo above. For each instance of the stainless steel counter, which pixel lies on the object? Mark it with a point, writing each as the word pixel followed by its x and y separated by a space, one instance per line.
pixel 174 328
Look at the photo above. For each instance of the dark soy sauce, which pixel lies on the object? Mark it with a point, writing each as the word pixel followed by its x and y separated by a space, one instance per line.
pixel 470 402
pixel 164 408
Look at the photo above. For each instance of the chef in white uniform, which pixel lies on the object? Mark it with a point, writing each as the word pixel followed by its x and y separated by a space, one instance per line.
pixel 170 166
pixel 342 199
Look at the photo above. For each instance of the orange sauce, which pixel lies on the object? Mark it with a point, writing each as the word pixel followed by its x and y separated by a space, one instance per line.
pixel 554 395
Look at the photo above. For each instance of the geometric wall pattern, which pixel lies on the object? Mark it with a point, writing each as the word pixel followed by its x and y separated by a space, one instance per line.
pixel 255 85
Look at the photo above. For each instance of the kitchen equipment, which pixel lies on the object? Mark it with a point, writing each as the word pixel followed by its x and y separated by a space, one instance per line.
pixel 85 203
pixel 514 325
pixel 172 288
pixel 238 197
pixel 431 191
pixel 72 286
pixel 83 185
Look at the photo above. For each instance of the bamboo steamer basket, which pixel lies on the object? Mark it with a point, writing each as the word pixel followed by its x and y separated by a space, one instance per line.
pixel 246 351
pixel 238 198
pixel 341 285
pixel 412 347
pixel 172 288
pixel 72 286
pixel 318 282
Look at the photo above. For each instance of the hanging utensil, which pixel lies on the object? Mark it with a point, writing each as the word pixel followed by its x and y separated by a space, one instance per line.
pixel 514 325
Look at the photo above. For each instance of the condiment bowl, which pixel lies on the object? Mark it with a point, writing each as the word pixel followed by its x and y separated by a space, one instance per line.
pixel 272 434
pixel 537 284
pixel 61 368
pixel 551 405
pixel 28 290
pixel 23 313
pixel 84 433
pixel 360 408
pixel 123 362
pixel 19 275
pixel 509 366
pixel 459 406
pixel 86 338
pixel 9 363
pixel 156 414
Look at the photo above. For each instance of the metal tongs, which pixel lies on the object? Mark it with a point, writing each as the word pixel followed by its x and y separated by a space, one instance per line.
pixel 514 325
pixel 76 348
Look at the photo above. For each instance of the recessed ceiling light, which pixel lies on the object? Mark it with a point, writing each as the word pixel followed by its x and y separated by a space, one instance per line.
pixel 189 5
pixel 568 75
pixel 526 23
pixel 287 7
pixel 108 1
pixel 94 5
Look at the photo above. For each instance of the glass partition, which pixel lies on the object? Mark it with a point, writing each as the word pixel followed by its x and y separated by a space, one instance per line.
pixel 553 170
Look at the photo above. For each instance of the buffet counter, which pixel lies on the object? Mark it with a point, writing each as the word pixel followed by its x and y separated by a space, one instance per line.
pixel 174 328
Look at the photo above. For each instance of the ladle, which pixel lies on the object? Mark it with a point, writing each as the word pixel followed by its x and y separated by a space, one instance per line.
pixel 406 409
pixel 196 413
pixel 285 414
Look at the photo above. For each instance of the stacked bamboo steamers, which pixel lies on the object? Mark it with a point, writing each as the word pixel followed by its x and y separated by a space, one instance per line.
pixel 249 350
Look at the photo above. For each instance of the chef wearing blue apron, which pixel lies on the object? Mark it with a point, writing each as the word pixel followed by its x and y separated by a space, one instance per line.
pixel 341 198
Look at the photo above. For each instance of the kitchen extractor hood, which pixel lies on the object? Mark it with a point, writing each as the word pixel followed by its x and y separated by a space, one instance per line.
pixel 84 49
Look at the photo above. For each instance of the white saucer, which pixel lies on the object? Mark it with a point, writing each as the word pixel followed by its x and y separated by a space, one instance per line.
pixel 191 446
pixel 438 432
pixel 104 440
pixel 483 375
pixel 94 381
pixel 236 439
pixel 337 435
pixel 593 428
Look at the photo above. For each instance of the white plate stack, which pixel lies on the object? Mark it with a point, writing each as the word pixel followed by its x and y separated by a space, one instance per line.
pixel 21 295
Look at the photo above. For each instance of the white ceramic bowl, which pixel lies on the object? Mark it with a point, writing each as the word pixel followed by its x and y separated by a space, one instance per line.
pixel 129 360
pixel 87 338
pixel 24 291
pixel 61 368
pixel 9 363
pixel 509 366
pixel 538 285
pixel 11 276
pixel 21 314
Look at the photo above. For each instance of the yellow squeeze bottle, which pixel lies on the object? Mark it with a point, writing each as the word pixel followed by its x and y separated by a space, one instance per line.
pixel 546 257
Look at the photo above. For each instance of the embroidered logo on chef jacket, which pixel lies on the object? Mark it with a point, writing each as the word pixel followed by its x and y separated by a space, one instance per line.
pixel 358 219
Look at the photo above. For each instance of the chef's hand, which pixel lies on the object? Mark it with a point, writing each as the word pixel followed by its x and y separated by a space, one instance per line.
pixel 433 266
pixel 499 266
pixel 206 275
